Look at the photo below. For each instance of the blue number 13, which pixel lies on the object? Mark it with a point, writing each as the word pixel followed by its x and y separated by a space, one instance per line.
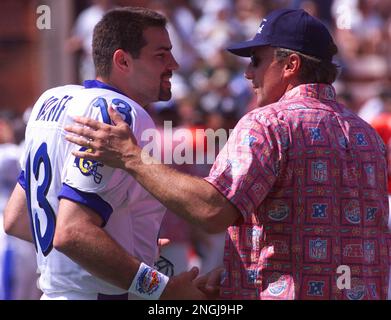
pixel 41 158
pixel 122 107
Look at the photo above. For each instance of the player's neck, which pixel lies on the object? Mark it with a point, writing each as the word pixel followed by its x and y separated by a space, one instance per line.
pixel 112 84
pixel 127 91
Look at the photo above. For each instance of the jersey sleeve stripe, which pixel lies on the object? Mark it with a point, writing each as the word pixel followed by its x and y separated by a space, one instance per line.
pixel 90 200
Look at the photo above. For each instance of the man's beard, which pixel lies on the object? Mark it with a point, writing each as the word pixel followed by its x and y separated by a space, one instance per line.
pixel 164 94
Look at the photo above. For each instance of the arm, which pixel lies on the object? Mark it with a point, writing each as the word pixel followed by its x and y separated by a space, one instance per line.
pixel 190 197
pixel 16 220
pixel 79 236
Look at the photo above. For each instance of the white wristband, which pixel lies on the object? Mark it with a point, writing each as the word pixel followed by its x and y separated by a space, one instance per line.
pixel 148 283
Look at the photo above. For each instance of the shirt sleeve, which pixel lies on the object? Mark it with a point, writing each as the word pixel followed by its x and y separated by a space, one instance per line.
pixel 91 200
pixel 248 165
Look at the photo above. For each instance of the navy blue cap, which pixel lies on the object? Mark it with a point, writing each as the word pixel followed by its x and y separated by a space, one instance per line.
pixel 290 29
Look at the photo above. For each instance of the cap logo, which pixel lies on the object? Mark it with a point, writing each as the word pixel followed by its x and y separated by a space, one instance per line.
pixel 261 26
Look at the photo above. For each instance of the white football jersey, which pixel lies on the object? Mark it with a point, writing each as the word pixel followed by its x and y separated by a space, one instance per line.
pixel 132 216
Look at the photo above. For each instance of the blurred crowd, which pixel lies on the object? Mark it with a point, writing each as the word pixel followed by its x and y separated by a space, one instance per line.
pixel 18 268
pixel 209 91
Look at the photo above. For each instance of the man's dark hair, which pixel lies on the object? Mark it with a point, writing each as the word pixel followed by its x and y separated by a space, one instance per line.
pixel 122 29
pixel 313 70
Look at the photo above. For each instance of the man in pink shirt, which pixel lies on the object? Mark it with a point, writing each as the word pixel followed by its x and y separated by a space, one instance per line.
pixel 300 184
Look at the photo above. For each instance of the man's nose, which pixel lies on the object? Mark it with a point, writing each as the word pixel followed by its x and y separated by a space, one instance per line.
pixel 248 73
pixel 173 63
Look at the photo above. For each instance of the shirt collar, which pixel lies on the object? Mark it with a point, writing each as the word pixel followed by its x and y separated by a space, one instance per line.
pixel 320 91
pixel 88 84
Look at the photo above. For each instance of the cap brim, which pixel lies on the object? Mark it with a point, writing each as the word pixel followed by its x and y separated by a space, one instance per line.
pixel 244 49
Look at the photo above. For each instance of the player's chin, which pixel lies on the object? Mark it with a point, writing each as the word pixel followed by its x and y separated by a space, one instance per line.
pixel 165 95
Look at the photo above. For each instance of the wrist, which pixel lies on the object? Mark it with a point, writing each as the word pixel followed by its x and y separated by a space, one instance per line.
pixel 132 159
pixel 148 283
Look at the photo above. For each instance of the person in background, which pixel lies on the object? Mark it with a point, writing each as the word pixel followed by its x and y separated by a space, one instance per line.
pixel 81 38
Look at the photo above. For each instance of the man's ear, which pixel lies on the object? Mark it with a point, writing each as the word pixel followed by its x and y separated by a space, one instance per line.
pixel 292 65
pixel 122 61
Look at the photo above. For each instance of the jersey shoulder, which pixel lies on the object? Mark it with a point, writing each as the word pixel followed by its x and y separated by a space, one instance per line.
pixel 69 89
pixel 50 96
pixel 94 103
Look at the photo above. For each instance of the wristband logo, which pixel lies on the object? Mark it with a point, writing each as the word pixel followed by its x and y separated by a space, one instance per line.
pixel 89 167
pixel 148 281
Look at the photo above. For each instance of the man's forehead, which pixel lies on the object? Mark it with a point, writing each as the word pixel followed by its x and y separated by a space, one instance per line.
pixel 157 37
pixel 261 51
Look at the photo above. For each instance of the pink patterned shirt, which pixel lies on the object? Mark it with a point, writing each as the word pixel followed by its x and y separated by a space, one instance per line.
pixel 309 178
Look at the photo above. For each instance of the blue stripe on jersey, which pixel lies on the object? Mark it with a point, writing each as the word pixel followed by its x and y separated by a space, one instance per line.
pixel 8 273
pixel 90 200
pixel 88 84
pixel 22 180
